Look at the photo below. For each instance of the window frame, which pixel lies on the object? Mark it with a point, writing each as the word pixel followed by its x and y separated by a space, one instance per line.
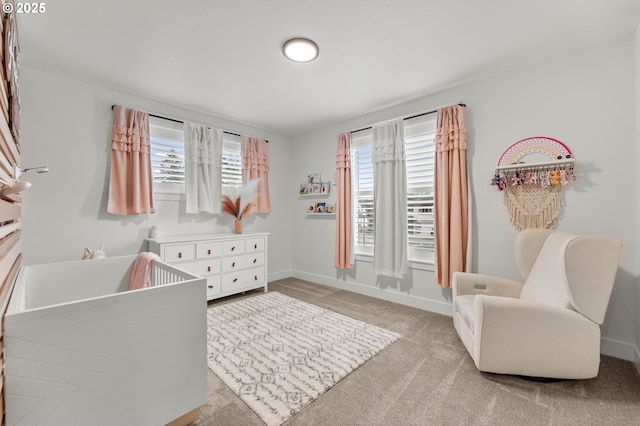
pixel 359 144
pixel 166 128
pixel 231 147
pixel 419 130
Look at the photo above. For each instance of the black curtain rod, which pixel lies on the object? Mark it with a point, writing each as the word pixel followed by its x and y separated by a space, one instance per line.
pixel 407 118
pixel 182 122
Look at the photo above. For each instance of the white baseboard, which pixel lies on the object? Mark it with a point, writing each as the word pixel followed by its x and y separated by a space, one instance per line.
pixel 279 275
pixel 618 349
pixel 391 296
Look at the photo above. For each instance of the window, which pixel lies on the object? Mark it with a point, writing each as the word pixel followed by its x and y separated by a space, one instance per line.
pixel 167 157
pixel 420 152
pixel 362 188
pixel 419 141
pixel 231 161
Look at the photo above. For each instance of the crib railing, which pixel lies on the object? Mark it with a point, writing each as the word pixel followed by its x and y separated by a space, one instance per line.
pixel 162 274
pixel 40 341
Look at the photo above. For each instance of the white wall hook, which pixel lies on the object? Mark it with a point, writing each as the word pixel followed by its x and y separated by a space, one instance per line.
pixel 19 171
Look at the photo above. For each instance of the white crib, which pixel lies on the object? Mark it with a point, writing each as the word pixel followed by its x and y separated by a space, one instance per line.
pixel 81 349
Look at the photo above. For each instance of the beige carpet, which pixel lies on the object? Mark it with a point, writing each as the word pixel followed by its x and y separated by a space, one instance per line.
pixel 427 378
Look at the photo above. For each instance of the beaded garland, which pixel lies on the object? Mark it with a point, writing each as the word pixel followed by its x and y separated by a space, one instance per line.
pixel 540 177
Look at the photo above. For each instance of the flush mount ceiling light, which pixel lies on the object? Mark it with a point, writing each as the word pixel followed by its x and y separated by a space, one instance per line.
pixel 300 50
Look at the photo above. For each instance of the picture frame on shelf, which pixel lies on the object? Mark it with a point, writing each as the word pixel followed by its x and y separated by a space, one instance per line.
pixel 304 189
pixel 314 178
pixel 320 208
pixel 329 208
pixel 325 188
pixel 316 188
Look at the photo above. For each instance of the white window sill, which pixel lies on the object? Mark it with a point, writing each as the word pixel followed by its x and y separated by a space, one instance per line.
pixel 164 191
pixel 422 265
pixel 167 196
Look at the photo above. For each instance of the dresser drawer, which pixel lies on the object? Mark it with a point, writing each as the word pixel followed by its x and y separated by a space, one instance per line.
pixel 237 281
pixel 254 244
pixel 178 253
pixel 213 286
pixel 232 247
pixel 236 263
pixel 202 267
pixel 208 249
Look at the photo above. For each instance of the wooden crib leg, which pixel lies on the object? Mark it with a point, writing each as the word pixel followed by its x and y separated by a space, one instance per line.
pixel 186 419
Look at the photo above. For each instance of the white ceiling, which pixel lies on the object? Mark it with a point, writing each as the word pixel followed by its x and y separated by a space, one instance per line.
pixel 224 57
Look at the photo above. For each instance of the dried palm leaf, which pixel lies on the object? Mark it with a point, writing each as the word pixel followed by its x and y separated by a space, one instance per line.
pixel 246 210
pixel 229 207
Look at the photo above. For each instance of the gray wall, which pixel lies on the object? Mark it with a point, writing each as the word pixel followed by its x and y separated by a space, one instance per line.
pixel 67 124
pixel 585 100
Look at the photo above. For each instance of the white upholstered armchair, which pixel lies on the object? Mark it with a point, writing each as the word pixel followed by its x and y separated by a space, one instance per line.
pixel 548 326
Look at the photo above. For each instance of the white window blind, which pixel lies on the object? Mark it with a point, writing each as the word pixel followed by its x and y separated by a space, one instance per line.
pixel 167 151
pixel 231 161
pixel 420 161
pixel 167 157
pixel 362 188
pixel 420 135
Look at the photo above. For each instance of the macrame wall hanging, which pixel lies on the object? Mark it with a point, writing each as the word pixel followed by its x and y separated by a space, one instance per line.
pixel 533 189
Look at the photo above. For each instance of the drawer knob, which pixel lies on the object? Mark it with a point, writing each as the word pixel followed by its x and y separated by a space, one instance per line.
pixel 255 260
pixel 179 255
pixel 208 268
pixel 209 251
pixel 235 279
pixel 255 246
pixel 233 248
pixel 255 278
pixel 210 286
pixel 233 265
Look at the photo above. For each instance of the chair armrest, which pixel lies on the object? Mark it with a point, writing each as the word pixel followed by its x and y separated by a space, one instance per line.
pixel 505 312
pixel 532 338
pixel 468 283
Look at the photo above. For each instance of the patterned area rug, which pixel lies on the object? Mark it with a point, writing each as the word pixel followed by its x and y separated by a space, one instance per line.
pixel 278 353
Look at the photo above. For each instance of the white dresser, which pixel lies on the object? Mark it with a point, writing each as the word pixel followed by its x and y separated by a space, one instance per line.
pixel 231 263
